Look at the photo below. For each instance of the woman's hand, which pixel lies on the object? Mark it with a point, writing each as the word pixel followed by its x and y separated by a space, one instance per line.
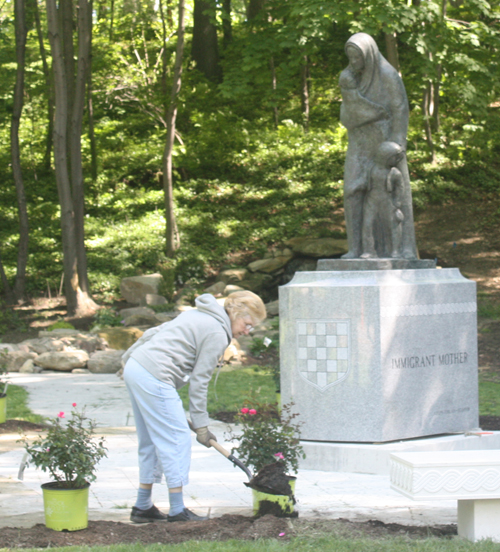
pixel 204 435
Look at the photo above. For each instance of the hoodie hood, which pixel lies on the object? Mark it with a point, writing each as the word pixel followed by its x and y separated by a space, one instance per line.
pixel 208 304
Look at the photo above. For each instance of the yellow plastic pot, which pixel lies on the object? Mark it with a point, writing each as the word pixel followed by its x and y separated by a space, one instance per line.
pixel 65 509
pixel 3 408
pixel 277 505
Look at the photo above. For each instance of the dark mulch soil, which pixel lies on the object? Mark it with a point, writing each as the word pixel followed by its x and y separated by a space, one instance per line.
pixel 104 533
pixel 20 426
pixel 489 423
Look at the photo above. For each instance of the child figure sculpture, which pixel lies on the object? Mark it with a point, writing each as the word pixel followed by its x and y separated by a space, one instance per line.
pixel 382 205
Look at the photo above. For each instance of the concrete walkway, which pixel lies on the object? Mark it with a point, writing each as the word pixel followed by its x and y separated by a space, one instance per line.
pixel 215 484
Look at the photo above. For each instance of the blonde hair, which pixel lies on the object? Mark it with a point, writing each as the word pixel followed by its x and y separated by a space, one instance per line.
pixel 245 303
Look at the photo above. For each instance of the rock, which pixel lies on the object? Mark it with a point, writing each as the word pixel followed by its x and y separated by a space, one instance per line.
pixel 29 367
pixel 217 289
pixel 231 288
pixel 135 288
pixel 105 362
pixel 125 313
pixel 232 275
pixel 89 343
pixel 233 351
pixel 298 265
pixel 15 359
pixel 44 344
pixel 58 332
pixel 63 361
pixel 120 338
pixel 269 265
pixel 80 371
pixel 153 299
pixel 163 317
pixel 141 320
pixel 273 308
pixel 318 248
pixel 8 347
pixel 256 282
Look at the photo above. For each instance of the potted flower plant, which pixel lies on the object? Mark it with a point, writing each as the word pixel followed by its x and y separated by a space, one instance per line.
pixel 70 454
pixel 3 386
pixel 269 442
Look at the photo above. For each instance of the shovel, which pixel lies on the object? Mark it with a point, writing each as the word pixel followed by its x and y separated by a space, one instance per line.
pixel 227 454
pixel 256 482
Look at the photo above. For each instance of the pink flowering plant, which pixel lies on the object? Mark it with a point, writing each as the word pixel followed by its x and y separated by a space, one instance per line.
pixel 68 451
pixel 267 436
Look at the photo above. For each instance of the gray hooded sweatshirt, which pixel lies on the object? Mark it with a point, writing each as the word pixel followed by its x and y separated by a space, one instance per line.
pixel 187 349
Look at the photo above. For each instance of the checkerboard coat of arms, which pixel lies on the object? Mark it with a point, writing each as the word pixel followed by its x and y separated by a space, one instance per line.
pixel 323 351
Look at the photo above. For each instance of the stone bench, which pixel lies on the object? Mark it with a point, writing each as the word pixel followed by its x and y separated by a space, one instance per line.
pixel 472 477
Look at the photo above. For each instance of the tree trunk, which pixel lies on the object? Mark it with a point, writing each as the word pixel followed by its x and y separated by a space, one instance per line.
pixel 254 7
pixel 164 61
pixel 274 85
pixel 173 241
pixel 8 293
pixel 204 48
pixel 391 48
pixel 227 27
pixel 50 89
pixel 304 92
pixel 427 109
pixel 22 252
pixel 77 182
pixel 78 301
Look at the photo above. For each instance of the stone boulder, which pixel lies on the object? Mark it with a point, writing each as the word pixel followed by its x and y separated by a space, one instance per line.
pixel 257 281
pixel 15 359
pixel 232 275
pixel 216 289
pixel 105 362
pixel 136 288
pixel 273 309
pixel 141 320
pixel 153 299
pixel 320 248
pixel 64 361
pixel 270 265
pixel 120 338
pixel 44 345
pixel 125 313
pixel 29 367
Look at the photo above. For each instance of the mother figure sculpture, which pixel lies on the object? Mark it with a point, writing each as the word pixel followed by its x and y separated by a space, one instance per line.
pixel 375 111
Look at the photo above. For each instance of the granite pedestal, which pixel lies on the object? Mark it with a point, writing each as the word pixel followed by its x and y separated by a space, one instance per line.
pixel 381 355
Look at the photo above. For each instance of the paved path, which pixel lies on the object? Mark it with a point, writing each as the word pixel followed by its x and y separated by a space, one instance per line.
pixel 215 484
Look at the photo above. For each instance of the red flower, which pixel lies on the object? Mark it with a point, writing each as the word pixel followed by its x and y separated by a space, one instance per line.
pixel 252 412
pixel 60 415
pixel 244 410
pixel 74 404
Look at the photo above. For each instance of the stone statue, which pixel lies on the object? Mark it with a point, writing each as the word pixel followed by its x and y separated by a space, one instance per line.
pixel 377 193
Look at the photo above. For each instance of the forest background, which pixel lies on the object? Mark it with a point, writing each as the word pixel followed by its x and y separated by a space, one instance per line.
pixel 140 136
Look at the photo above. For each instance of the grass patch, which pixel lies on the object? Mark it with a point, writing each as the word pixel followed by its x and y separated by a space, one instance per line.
pixel 329 542
pixel 17 406
pixel 234 386
pixel 488 309
pixel 489 398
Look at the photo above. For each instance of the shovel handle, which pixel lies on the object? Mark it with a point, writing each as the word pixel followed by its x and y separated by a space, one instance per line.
pixel 219 448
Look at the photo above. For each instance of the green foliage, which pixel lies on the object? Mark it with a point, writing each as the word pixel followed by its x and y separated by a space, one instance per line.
pixel 9 319
pixel 268 435
pixel 61 325
pixel 106 318
pixel 68 452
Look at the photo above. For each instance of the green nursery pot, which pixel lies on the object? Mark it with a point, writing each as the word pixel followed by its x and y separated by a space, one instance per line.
pixel 276 505
pixel 65 509
pixel 3 408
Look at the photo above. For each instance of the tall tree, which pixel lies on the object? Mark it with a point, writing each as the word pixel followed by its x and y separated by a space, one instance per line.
pixel 204 49
pixel 173 241
pixel 22 252
pixel 67 146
